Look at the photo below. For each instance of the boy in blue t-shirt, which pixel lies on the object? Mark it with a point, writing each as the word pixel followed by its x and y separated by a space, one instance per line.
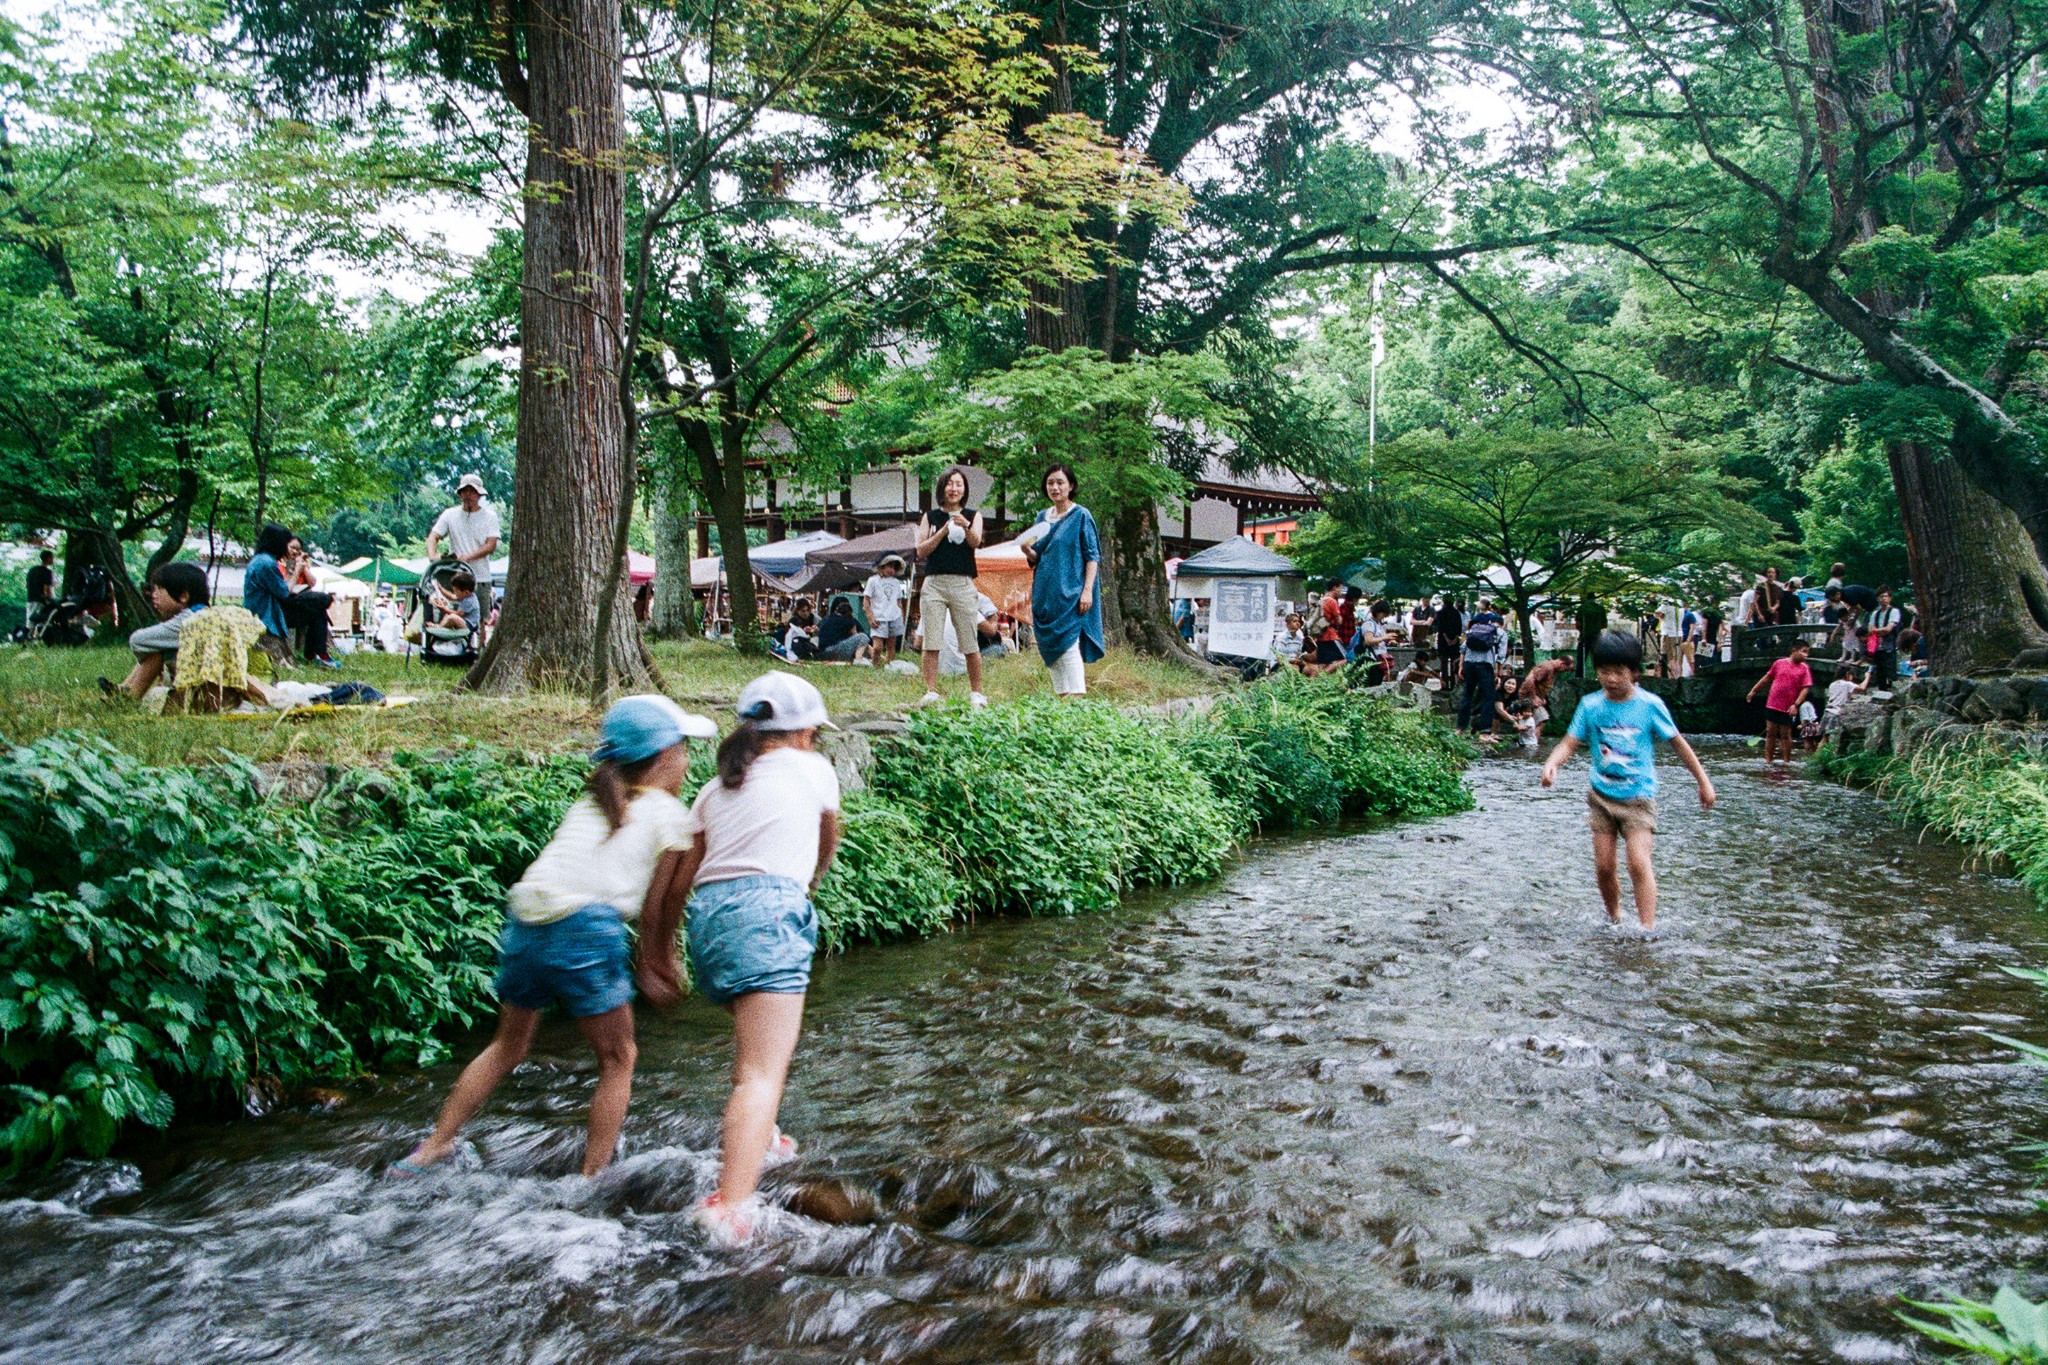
pixel 1622 724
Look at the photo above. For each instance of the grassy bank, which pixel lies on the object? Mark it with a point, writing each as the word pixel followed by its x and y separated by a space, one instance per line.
pixel 171 936
pixel 47 691
pixel 1995 802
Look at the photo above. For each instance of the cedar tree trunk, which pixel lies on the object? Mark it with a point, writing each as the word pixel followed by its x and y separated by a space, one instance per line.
pixel 675 606
pixel 571 448
pixel 1981 591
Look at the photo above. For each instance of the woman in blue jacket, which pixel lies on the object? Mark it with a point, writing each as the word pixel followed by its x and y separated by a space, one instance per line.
pixel 264 591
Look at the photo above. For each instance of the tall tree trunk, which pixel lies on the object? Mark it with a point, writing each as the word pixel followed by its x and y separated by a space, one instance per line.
pixel 1982 594
pixel 571 453
pixel 84 545
pixel 669 514
pixel 180 524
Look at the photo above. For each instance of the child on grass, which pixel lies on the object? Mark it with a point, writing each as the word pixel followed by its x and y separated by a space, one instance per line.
pixel 618 851
pixel 1623 723
pixel 768 827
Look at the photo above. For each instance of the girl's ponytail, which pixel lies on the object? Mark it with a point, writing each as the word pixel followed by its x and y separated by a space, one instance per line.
pixel 611 786
pixel 737 752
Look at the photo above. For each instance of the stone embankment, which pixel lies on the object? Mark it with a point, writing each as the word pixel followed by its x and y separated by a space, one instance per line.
pixel 2010 712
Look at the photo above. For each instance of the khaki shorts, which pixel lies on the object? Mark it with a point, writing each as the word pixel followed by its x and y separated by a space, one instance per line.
pixel 950 594
pixel 1620 818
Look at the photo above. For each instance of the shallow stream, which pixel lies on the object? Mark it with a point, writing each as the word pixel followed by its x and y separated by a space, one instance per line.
pixel 1393 1095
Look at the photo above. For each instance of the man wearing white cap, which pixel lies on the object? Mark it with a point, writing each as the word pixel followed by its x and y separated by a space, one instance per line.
pixel 472 532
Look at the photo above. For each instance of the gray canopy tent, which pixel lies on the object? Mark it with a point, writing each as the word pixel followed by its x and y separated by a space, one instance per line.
pixel 1238 558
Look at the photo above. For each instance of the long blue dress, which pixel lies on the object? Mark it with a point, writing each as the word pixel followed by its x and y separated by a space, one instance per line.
pixel 1064 555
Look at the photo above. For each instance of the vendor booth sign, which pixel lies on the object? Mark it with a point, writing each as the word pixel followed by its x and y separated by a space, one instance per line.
pixel 1241 617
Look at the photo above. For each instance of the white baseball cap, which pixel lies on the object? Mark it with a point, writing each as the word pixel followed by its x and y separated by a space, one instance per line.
pixel 782 701
pixel 470 481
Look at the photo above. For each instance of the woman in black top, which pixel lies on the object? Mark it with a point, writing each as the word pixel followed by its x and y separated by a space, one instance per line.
pixel 946 543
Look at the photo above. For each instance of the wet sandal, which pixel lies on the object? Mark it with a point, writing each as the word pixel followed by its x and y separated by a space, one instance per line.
pixel 405 1168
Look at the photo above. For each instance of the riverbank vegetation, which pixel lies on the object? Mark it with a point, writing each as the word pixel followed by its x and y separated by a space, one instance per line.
pixel 1996 801
pixel 175 934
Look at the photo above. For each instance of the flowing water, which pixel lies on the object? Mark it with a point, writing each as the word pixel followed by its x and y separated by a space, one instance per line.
pixel 1392 1095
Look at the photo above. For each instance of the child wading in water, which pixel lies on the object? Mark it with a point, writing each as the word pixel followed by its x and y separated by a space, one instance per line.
pixel 1623 723
pixel 769 826
pixel 618 853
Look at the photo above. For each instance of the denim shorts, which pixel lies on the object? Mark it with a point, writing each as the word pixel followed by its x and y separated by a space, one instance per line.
pixel 751 934
pixel 582 962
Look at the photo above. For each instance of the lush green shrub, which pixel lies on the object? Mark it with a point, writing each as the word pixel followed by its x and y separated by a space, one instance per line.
pixel 1318 751
pixel 891 879
pixel 157 934
pixel 1056 807
pixel 413 885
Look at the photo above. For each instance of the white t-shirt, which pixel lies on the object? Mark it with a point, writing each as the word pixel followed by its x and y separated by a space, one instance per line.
pixel 1807 715
pixel 1839 692
pixel 587 864
pixel 467 531
pixel 885 598
pixel 769 827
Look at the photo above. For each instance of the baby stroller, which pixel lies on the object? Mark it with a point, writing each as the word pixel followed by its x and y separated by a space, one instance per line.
pixel 438 644
pixel 68 622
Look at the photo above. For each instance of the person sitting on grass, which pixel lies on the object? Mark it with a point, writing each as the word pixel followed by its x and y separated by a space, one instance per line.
pixel 458 607
pixel 177 592
pixel 840 638
pixel 1623 723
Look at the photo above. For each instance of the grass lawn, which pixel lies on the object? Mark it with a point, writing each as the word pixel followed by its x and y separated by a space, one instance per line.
pixel 43 690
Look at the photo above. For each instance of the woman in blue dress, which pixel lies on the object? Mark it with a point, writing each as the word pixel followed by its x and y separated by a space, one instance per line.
pixel 1065 552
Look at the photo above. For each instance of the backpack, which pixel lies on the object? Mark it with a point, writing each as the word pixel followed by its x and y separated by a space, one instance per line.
pixel 1482 637
pixel 1317 624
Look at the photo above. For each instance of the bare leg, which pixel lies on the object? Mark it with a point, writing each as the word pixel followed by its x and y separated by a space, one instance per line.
pixel 1607 872
pixel 611 1038
pixel 765 1026
pixel 479 1079
pixel 1642 875
pixel 931 670
pixel 142 677
pixel 974 671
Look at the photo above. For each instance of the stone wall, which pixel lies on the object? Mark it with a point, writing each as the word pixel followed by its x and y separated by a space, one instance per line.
pixel 2010 711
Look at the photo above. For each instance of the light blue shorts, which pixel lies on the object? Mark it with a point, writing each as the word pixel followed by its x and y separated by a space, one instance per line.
pixel 584 963
pixel 751 934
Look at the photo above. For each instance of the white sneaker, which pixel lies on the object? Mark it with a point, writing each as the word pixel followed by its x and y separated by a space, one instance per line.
pixel 930 699
pixel 976 700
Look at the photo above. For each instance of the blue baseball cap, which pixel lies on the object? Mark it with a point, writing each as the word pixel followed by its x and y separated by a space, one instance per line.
pixel 641 726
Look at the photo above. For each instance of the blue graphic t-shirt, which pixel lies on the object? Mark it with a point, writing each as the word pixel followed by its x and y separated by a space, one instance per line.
pixel 1622 736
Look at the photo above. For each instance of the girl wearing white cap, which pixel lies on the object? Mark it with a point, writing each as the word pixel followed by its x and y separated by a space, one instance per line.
pixel 619 850
pixel 769 826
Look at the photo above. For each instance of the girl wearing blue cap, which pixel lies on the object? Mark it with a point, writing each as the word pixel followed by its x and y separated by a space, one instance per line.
pixel 619 850
pixel 768 827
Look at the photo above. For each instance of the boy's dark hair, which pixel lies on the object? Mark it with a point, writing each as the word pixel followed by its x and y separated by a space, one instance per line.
pixel 184 581
pixel 842 607
pixel 1798 645
pixel 462 579
pixel 1618 649
pixel 49 556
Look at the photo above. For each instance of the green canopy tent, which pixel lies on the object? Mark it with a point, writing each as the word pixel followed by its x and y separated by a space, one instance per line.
pixel 402 573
